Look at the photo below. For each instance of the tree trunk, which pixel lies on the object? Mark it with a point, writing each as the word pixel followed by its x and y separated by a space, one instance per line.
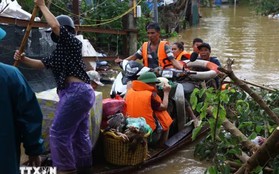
pixel 237 133
pixel 243 86
pixel 228 126
pixel 268 150
pixel 234 165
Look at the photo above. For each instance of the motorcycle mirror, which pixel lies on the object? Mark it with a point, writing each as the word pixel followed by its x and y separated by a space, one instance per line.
pixel 123 64
pixel 143 70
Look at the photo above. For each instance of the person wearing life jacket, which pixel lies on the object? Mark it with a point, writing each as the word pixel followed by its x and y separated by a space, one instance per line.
pixel 142 100
pixel 156 52
pixel 205 51
pixel 179 52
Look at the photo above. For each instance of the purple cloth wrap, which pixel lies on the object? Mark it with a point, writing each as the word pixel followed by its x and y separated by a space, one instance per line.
pixel 70 142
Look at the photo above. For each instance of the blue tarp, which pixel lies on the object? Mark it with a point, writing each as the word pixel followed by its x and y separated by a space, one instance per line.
pixel 150 4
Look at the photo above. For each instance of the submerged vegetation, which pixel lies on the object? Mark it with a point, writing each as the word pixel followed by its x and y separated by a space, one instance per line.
pixel 224 146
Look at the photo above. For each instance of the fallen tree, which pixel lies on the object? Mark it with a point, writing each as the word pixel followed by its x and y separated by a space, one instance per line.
pixel 268 150
pixel 230 127
pixel 246 88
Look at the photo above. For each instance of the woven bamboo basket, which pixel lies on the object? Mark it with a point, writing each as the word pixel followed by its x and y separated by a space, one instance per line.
pixel 117 151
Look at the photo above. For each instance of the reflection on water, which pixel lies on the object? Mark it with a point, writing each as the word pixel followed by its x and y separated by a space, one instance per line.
pixel 238 33
pixel 232 33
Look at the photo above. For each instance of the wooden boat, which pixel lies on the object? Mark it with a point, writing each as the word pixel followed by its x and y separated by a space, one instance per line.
pixel 178 140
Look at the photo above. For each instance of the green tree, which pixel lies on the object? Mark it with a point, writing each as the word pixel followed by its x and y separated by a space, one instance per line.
pixel 266 7
pixel 103 14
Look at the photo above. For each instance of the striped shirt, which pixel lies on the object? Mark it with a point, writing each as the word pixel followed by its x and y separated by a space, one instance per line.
pixel 152 56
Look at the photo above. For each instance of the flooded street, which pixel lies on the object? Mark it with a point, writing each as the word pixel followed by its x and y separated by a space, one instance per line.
pixel 237 33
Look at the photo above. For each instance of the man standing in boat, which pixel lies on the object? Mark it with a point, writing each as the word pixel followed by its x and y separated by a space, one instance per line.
pixel 70 142
pixel 156 52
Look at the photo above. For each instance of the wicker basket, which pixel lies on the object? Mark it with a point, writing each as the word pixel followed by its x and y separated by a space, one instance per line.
pixel 117 152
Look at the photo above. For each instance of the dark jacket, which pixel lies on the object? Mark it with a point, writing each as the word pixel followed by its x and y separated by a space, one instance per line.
pixel 20 119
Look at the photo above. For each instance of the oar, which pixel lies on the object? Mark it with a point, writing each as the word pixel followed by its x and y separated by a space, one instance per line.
pixel 27 32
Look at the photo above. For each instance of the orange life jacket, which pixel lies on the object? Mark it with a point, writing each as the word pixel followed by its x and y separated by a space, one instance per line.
pixel 183 53
pixel 138 104
pixel 161 53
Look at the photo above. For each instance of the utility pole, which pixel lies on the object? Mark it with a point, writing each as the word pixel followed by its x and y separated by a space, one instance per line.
pixel 132 35
pixel 129 23
pixel 195 13
pixel 155 7
pixel 76 11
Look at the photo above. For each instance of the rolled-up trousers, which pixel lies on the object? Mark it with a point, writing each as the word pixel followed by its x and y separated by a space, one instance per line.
pixel 70 142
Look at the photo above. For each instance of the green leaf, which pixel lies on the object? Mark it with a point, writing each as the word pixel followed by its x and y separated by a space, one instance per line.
pixel 196 131
pixel 199 106
pixel 259 128
pixel 253 135
pixel 201 93
pixel 276 111
pixel 245 124
pixel 212 170
pixel 242 106
pixel 234 151
pixel 193 101
pixel 224 97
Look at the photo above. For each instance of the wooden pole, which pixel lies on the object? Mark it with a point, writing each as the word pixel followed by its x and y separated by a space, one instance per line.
pixel 27 32
pixel 131 36
pixel 155 8
pixel 76 11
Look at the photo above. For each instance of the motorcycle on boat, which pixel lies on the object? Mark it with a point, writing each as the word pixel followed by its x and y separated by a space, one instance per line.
pixel 131 70
pixel 182 81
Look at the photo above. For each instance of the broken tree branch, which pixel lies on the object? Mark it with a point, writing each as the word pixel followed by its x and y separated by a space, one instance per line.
pixel 243 86
pixel 268 150
pixel 253 84
pixel 228 126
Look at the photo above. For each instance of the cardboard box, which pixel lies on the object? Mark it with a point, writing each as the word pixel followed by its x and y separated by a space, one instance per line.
pixel 48 101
